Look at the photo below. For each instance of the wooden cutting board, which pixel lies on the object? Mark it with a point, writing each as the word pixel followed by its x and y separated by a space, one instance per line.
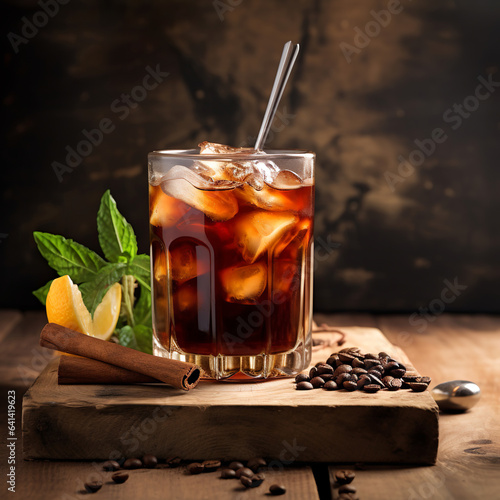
pixel 234 420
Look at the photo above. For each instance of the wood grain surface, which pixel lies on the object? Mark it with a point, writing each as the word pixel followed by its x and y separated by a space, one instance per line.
pixel 234 421
pixel 453 346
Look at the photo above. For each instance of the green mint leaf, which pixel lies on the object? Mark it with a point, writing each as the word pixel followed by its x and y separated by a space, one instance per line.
pixel 41 293
pixel 140 267
pixel 142 309
pixel 94 291
pixel 69 257
pixel 139 337
pixel 116 236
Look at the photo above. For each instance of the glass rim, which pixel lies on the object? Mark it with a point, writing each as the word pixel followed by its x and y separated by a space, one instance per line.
pixel 269 154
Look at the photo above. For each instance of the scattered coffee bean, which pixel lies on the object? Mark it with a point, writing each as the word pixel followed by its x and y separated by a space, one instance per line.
pixel 304 386
pixel 119 477
pixel 371 388
pixel 227 474
pixel 327 376
pixel 324 369
pixel 302 377
pixel 244 471
pixel 387 380
pixel 344 476
pixel 343 377
pixel 173 462
pixel 350 385
pixel 210 465
pixel 359 371
pixel 330 386
pixel 395 384
pixel 313 372
pixel 346 357
pixel 347 488
pixel 358 363
pixel 383 354
pixel 342 369
pixel 111 465
pixel 363 380
pixel 149 461
pixel 371 356
pixel 132 463
pixel 398 372
pixel 423 380
pixel 277 489
pixel 252 482
pixel 376 380
pixel 375 373
pixel 317 382
pixel 93 486
pixel 195 468
pixel 417 386
pixel 237 465
pixel 392 365
pixel 371 363
pixel 332 361
pixel 256 464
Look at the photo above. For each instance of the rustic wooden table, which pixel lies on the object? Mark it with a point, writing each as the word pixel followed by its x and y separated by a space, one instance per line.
pixel 451 347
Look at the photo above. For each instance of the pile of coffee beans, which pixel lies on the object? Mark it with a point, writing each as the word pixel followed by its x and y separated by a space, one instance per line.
pixel 351 370
pixel 343 480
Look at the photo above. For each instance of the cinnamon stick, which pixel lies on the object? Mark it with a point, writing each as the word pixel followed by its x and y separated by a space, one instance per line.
pixel 75 370
pixel 175 373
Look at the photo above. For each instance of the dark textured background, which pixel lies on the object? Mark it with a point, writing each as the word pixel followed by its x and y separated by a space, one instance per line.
pixel 396 246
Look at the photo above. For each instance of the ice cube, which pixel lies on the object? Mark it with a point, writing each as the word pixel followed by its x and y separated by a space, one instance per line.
pixel 165 211
pixel 188 260
pixel 214 148
pixel 294 238
pixel 267 198
pixel 267 169
pixel 259 231
pixel 160 267
pixel 216 200
pixel 244 284
pixel 286 179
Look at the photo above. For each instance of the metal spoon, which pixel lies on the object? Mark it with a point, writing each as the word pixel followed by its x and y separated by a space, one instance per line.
pixel 456 396
pixel 288 57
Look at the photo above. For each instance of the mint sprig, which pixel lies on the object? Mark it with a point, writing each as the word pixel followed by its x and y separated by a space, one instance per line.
pixel 95 275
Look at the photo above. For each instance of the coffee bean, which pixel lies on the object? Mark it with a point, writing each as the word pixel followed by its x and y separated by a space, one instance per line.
pixel 332 361
pixel 395 384
pixel 330 385
pixel 375 373
pixel 149 461
pixel 371 356
pixel 327 376
pixel 93 486
pixel 348 350
pixel 371 388
pixel 343 377
pixel 317 382
pixel 119 477
pixel 302 377
pixel 236 465
pixel 342 369
pixel 244 471
pixel 346 357
pixel 252 482
pixel 398 372
pixel 227 474
pixel 195 468
pixel 371 363
pixel 210 465
pixel 313 372
pixel 111 465
pixel 376 380
pixel 256 464
pixel 359 371
pixel 383 354
pixel 344 476
pixel 417 386
pixel 392 365
pixel 347 488
pixel 325 369
pixel 318 364
pixel 132 463
pixel 358 363
pixel 387 380
pixel 173 462
pixel 350 385
pixel 277 489
pixel 423 380
pixel 363 380
pixel 304 386
pixel 338 363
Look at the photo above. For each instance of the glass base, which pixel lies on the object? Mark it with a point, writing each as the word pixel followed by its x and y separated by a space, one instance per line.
pixel 244 368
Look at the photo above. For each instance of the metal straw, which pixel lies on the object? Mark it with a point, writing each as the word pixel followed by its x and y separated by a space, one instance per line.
pixel 288 57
